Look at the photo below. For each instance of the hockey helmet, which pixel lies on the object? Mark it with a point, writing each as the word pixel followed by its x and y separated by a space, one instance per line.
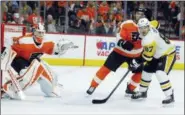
pixel 143 22
pixel 144 26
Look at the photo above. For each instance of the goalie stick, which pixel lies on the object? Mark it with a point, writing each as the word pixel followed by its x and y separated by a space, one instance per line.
pixel 100 101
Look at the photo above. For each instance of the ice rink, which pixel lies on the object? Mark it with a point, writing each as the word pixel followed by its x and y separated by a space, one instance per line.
pixel 76 81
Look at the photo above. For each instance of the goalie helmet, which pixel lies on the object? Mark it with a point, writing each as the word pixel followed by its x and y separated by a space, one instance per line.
pixel 38 32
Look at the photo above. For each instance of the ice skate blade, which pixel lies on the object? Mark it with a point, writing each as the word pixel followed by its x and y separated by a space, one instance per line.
pixel 169 105
pixel 138 100
pixel 127 95
pixel 86 95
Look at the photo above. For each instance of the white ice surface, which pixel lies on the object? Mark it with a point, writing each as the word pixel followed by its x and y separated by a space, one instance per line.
pixel 76 81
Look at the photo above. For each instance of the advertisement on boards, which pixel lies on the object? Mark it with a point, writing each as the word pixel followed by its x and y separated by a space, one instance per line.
pixel 98 47
pixel 179 51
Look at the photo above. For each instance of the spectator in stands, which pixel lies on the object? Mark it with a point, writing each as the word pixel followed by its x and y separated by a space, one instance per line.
pixel 119 5
pixel 61 12
pixel 15 18
pixel 91 9
pixel 74 7
pixel 103 8
pixel 9 18
pixel 174 9
pixel 51 9
pixel 12 6
pixel 9 5
pixel 174 12
pixel 117 15
pixel 180 17
pixel 25 8
pixel 61 7
pixel 84 18
pixel 35 18
pixel 4 10
pixel 106 28
pixel 50 24
pixel 24 20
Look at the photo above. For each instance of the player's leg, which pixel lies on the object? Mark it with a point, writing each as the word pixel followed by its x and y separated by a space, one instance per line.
pixel 10 85
pixel 49 82
pixel 28 74
pixel 113 61
pixel 7 56
pixel 146 77
pixel 36 71
pixel 164 67
pixel 135 79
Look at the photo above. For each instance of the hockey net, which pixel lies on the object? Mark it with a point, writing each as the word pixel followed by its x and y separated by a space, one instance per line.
pixel 8 31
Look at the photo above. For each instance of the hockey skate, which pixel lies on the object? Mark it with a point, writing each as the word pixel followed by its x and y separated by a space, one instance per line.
pixel 139 95
pixel 169 99
pixel 90 90
pixel 129 92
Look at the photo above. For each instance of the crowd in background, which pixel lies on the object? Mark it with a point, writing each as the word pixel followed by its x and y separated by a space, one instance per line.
pixel 86 17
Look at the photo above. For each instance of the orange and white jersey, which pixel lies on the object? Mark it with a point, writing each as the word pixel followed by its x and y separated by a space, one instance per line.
pixel 129 32
pixel 25 46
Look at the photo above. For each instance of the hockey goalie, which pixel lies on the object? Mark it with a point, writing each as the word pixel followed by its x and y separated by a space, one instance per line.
pixel 21 61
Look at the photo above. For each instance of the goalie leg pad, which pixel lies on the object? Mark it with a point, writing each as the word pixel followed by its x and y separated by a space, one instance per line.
pixel 48 88
pixel 7 57
pixel 49 82
pixel 11 86
pixel 31 74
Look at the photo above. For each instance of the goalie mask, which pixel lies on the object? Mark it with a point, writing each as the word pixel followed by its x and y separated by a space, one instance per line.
pixel 39 32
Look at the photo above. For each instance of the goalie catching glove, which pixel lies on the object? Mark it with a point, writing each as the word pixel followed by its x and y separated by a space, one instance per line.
pixel 62 46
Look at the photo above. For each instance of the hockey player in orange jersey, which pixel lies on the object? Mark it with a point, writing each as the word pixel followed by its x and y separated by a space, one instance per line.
pixel 23 61
pixel 128 48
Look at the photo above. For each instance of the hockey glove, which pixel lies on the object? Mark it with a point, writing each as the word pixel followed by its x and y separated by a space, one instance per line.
pixel 125 45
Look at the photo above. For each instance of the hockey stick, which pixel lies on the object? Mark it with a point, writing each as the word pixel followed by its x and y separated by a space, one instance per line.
pixel 100 101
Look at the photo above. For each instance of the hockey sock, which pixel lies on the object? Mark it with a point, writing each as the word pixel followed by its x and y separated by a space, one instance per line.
pixel 145 81
pixel 135 79
pixel 100 75
pixel 164 82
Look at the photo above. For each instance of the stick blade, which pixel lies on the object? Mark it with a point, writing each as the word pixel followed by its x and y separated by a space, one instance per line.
pixel 97 101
